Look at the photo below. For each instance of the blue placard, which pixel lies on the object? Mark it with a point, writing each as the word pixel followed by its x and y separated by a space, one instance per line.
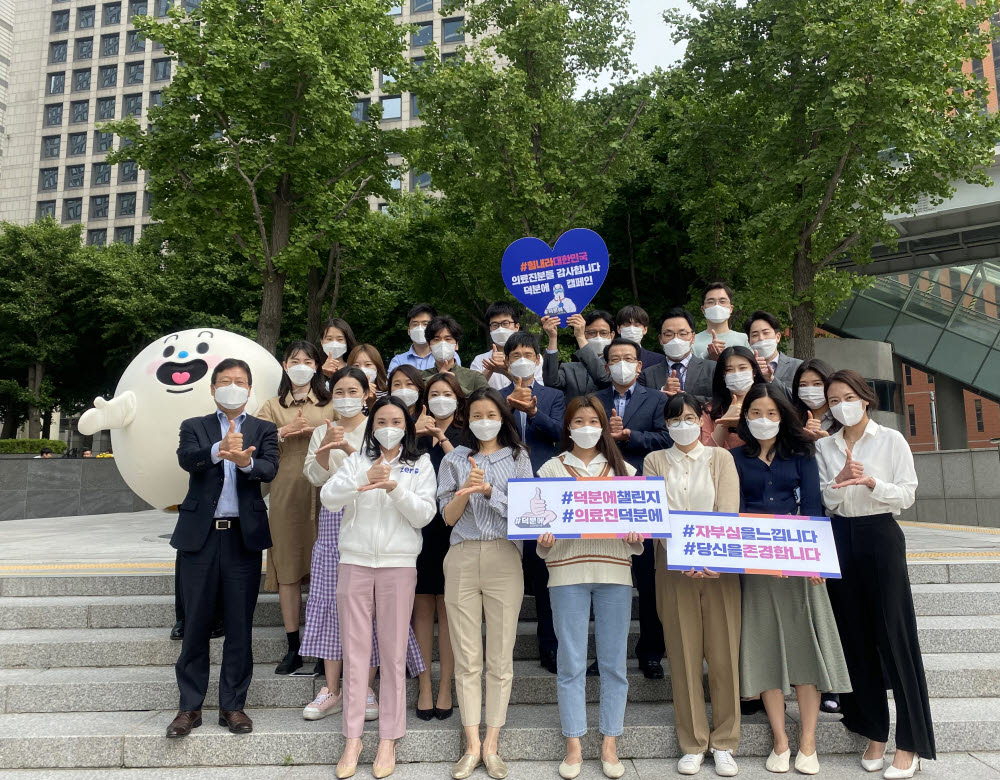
pixel 559 281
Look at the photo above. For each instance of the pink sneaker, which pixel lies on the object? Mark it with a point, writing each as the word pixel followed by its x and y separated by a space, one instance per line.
pixel 324 704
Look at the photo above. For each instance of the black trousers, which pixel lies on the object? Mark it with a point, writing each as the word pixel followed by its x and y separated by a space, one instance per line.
pixel 873 605
pixel 223 566
pixel 536 580
pixel 179 595
pixel 649 646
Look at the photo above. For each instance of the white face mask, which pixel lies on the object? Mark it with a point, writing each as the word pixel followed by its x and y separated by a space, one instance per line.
pixel 813 397
pixel 585 436
pixel 407 395
pixel 369 372
pixel 500 336
pixel 442 406
pixel 388 437
pixel 846 412
pixel 335 349
pixel 231 396
pixel 717 314
pixel 443 351
pixel 348 407
pixel 485 430
pixel 765 347
pixel 599 344
pixel 623 372
pixel 417 334
pixel 676 348
pixel 684 433
pixel 739 381
pixel 523 368
pixel 763 428
pixel 301 374
pixel 632 333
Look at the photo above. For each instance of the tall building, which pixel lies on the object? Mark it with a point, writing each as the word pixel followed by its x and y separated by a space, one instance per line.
pixel 922 425
pixel 6 52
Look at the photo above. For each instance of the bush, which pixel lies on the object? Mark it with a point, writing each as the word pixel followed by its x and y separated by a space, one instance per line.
pixel 31 446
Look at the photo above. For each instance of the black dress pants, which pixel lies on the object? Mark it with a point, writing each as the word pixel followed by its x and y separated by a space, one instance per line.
pixel 649 646
pixel 536 580
pixel 873 605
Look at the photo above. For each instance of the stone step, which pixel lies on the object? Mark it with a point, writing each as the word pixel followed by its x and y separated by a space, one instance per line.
pixel 281 737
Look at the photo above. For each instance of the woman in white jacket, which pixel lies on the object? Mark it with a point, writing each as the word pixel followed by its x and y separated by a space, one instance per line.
pixel 387 492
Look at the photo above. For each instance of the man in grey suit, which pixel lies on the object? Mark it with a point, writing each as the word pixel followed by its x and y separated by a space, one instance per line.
pixel 764 332
pixel 683 370
pixel 572 378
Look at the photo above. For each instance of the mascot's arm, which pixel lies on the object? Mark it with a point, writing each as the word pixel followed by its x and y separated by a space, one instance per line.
pixel 119 412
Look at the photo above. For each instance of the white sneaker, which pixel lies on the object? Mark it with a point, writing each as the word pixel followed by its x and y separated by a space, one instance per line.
pixel 725 764
pixel 371 706
pixel 690 763
pixel 324 704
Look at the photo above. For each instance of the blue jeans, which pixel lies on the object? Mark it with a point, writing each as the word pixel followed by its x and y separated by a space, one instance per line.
pixel 571 617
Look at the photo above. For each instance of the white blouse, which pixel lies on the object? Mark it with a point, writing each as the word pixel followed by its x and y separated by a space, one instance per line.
pixel 315 473
pixel 885 455
pixel 689 480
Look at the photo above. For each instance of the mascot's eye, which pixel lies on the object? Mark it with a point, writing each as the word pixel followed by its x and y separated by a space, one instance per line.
pixel 202 348
pixel 168 352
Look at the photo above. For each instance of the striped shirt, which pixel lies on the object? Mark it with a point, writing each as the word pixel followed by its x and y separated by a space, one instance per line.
pixel 484 519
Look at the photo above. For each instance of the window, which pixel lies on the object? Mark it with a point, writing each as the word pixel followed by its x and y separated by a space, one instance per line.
pixel 190 5
pixel 421 180
pixel 99 206
pixel 112 13
pixel 101 175
pixel 930 379
pixel 979 416
pixel 414 107
pixel 452 30
pixel 157 46
pixel 419 6
pixel 909 375
pixel 133 106
pixel 392 107
pixel 77 144
pixel 137 8
pixel 452 57
pixel 106 108
pixel 125 235
pixel 161 70
pixel 912 415
pixel 74 176
pixel 57 52
pixel 395 10
pixel 126 205
pixel 155 99
pixel 423 34
pixel 45 208
pixel 103 142
pixel 85 18
pixel 108 76
pixel 418 62
pixel 79 111
pixel 81 80
pixel 162 6
pixel 109 45
pixel 134 42
pixel 360 111
pixel 97 237
pixel 56 83
pixel 134 72
pixel 50 147
pixel 396 182
pixel 48 179
pixel 128 171
pixel 53 115
pixel 383 208
pixel 60 21
pixel 84 49
pixel 147 201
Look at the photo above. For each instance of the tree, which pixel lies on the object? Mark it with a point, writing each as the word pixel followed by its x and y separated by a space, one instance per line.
pixel 795 126
pixel 255 144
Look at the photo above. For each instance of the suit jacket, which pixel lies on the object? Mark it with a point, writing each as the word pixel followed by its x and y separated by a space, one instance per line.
pixel 644 418
pixel 468 379
pixel 697 378
pixel 543 432
pixel 650 358
pixel 197 511
pixel 594 361
pixel 785 371
pixel 572 378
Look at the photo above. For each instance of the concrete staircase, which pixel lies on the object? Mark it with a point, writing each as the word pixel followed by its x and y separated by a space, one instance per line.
pixel 86 680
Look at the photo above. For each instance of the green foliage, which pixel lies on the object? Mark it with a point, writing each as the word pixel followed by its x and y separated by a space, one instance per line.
pixel 31 446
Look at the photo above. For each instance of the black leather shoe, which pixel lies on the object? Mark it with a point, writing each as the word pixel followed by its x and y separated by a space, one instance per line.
pixel 441 714
pixel 593 671
pixel 653 670
pixel 750 706
pixel 177 632
pixel 218 631
pixel 289 663
pixel 548 660
pixel 236 721
pixel 181 725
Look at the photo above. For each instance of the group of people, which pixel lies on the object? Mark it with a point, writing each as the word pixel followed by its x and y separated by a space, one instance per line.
pixel 388 491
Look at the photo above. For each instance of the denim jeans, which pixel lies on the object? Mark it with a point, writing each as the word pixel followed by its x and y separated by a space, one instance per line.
pixel 571 617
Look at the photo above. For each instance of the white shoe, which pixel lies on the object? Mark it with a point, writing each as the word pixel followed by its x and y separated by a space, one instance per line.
pixel 690 763
pixel 371 706
pixel 778 762
pixel 569 771
pixel 893 773
pixel 614 771
pixel 807 765
pixel 872 764
pixel 324 704
pixel 725 764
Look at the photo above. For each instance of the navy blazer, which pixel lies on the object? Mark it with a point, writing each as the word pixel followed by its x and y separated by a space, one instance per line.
pixel 543 432
pixel 697 380
pixel 644 418
pixel 197 511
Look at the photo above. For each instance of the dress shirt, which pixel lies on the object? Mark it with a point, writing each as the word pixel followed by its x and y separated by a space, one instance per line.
pixel 499 381
pixel 621 401
pixel 885 455
pixel 731 338
pixel 411 358
pixel 785 486
pixel 681 367
pixel 690 487
pixel 228 505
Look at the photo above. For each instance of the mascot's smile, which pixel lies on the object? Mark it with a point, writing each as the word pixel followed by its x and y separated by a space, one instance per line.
pixel 179 375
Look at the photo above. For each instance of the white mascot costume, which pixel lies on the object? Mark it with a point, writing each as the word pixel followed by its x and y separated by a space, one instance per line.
pixel 166 384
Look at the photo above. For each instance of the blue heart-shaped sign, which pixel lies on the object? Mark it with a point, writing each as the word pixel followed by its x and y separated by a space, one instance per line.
pixel 558 281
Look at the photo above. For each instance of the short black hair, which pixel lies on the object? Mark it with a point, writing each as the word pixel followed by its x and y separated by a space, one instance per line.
pixel 503 307
pixel 354 373
pixel 717 286
pixel 631 313
pixel 618 341
pixel 229 363
pixel 677 311
pixel 677 402
pixel 521 339
pixel 441 323
pixel 420 308
pixel 769 318
pixel 599 314
pixel 45 451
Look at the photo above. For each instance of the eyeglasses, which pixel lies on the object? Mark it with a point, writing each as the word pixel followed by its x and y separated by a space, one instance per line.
pixel 597 334
pixel 620 359
pixel 688 418
pixel 508 324
pixel 681 334
pixel 239 382
pixel 723 301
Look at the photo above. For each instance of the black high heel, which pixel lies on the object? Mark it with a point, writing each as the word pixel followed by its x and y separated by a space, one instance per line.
pixel 442 714
pixel 424 714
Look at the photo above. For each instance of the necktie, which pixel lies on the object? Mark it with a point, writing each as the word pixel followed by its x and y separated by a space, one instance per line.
pixel 679 368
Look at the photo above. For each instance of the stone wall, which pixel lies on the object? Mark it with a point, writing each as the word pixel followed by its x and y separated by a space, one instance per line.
pixel 957 486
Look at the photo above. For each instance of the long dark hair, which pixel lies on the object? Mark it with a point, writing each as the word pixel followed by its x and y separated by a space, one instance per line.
pixel 605 445
pixel 461 416
pixel 508 435
pixel 792 438
pixel 343 327
pixel 824 370
pixel 318 382
pixel 722 396
pixel 408 452
pixel 376 358
pixel 414 375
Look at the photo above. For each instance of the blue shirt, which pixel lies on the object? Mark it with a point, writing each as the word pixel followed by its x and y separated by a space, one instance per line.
pixel 621 401
pixel 789 486
pixel 228 505
pixel 411 358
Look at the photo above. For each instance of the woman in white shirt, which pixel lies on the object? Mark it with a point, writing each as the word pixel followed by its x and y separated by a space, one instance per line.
pixel 867 476
pixel 387 491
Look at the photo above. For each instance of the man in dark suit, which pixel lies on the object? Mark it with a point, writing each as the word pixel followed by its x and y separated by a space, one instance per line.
pixel 538 414
pixel 682 370
pixel 635 415
pixel 764 332
pixel 572 379
pixel 632 323
pixel 220 535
